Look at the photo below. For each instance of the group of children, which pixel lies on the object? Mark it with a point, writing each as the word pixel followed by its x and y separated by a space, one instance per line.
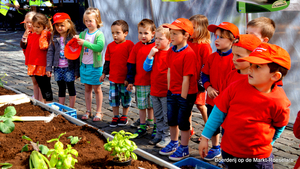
pixel 236 87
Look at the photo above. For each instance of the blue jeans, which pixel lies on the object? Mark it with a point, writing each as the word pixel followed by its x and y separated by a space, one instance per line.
pixel 179 110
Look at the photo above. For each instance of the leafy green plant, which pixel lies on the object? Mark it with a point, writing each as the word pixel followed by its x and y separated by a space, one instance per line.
pixel 5 165
pixel 6 121
pixel 62 158
pixel 121 147
pixel 36 146
pixel 74 140
pixel 1 81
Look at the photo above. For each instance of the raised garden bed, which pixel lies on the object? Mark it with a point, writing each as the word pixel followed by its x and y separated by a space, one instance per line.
pixel 91 153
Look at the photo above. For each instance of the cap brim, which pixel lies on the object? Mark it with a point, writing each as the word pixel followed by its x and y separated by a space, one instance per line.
pixel 22 22
pixel 59 21
pixel 212 28
pixel 72 56
pixel 254 59
pixel 172 27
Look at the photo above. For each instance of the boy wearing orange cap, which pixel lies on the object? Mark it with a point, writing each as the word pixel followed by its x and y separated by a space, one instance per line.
pixel 182 88
pixel 219 64
pixel 242 46
pixel 253 111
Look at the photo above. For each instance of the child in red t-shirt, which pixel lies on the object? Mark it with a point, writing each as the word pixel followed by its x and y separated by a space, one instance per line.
pixel 253 111
pixel 200 43
pixel 156 62
pixel 116 56
pixel 242 46
pixel 214 72
pixel 139 77
pixel 182 85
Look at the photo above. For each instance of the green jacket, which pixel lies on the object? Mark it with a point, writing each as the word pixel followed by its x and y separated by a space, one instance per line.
pixel 4 9
pixel 96 47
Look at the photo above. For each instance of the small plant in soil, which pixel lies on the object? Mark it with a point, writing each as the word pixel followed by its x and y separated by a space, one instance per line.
pixel 62 158
pixel 5 165
pixel 1 79
pixel 121 147
pixel 74 140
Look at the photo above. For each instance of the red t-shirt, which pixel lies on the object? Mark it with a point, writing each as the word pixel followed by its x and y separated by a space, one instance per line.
pixel 118 55
pixel 159 81
pixel 202 51
pixel 217 68
pixel 33 54
pixel 251 118
pixel 138 56
pixel 233 76
pixel 183 63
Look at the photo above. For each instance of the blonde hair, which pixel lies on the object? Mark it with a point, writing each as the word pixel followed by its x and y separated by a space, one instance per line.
pixel 97 16
pixel 165 31
pixel 71 29
pixel 201 24
pixel 266 25
pixel 29 14
pixel 42 19
pixel 147 22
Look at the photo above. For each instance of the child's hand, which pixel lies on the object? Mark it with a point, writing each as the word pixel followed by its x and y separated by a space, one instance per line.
pixel 101 79
pixel 26 33
pixel 129 87
pixel 212 93
pixel 125 83
pixel 76 77
pixel 152 52
pixel 76 36
pixel 80 42
pixel 203 146
pixel 48 73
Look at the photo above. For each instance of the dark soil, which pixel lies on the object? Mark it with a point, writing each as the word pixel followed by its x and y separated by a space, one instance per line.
pixel 91 153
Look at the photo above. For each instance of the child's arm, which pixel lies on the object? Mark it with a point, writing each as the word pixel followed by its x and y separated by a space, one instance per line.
pixel 185 86
pixel 106 65
pixel 23 42
pixel 278 131
pixel 98 47
pixel 130 75
pixel 296 128
pixel 149 60
pixel 43 41
pixel 50 58
pixel 168 78
pixel 214 121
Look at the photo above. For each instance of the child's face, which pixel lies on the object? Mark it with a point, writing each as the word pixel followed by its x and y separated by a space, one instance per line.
pixel 62 28
pixel 37 28
pixel 255 31
pixel 161 41
pixel 222 44
pixel 90 22
pixel 28 23
pixel 177 38
pixel 118 34
pixel 196 33
pixel 145 34
pixel 260 76
pixel 238 53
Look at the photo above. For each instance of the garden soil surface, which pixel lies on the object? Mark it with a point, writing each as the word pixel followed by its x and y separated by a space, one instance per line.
pixel 91 153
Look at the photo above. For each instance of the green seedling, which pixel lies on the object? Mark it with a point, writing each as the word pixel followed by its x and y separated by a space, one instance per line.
pixel 62 158
pixel 121 147
pixel 5 165
pixel 6 121
pixel 36 146
pixel 1 84
pixel 74 140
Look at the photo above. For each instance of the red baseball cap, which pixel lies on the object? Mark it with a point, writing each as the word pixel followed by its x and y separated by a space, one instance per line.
pixel 72 49
pixel 227 26
pixel 269 53
pixel 60 17
pixel 248 41
pixel 181 24
pixel 22 22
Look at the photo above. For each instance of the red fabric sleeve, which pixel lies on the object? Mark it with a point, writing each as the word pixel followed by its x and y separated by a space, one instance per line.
pixel 189 64
pixel 205 52
pixel 296 128
pixel 281 116
pixel 222 101
pixel 107 54
pixel 132 56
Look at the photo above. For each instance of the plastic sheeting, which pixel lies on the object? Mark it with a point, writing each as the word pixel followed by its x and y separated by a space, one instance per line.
pixel 217 11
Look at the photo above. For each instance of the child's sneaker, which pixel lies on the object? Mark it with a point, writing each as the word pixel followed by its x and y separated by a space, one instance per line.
pixel 141 132
pixel 214 152
pixel 169 149
pixel 114 122
pixel 122 121
pixel 180 153
pixel 136 123
pixel 163 143
pixel 153 134
pixel 154 141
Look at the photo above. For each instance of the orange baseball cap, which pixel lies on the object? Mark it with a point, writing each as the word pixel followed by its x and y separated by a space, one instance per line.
pixel 248 41
pixel 60 17
pixel 72 49
pixel 269 53
pixel 181 24
pixel 22 22
pixel 227 26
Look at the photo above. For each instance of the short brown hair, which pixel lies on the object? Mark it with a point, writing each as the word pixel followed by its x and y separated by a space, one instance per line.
pixel 201 24
pixel 165 31
pixel 42 19
pixel 274 67
pixel 226 34
pixel 95 11
pixel 123 25
pixel 266 25
pixel 147 22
